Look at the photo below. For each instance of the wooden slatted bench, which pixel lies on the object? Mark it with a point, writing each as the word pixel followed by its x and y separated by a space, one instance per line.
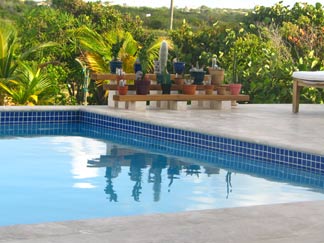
pixel 297 86
pixel 199 100
pixel 175 101
pixel 157 87
pixel 302 79
pixel 131 76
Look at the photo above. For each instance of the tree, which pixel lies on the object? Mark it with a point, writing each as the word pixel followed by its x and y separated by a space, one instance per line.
pixel 12 66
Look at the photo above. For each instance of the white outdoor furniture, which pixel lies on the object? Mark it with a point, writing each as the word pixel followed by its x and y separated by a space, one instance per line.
pixel 305 79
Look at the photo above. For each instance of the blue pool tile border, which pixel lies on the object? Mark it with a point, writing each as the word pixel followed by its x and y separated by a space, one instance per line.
pixel 226 161
pixel 295 159
pixel 275 155
pixel 18 117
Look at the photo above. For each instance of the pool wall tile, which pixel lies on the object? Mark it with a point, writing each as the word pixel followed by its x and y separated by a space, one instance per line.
pixel 270 154
pixel 17 117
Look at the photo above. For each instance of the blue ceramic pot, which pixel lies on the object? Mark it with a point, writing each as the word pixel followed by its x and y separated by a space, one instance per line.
pixel 179 67
pixel 198 76
pixel 114 65
pixel 137 67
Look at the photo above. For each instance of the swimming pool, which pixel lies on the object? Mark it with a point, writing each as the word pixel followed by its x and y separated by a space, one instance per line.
pixel 152 175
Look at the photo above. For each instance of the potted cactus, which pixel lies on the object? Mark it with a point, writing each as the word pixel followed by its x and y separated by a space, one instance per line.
pixel 216 72
pixel 178 65
pixel 197 74
pixel 209 87
pixel 189 87
pixel 142 82
pixel 235 86
pixel 122 87
pixel 163 77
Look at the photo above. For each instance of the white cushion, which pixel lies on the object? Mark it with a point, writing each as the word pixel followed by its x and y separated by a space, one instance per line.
pixel 312 76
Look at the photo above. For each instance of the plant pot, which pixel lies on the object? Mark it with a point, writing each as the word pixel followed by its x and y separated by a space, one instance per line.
pixel 198 76
pixel 178 81
pixel 189 89
pixel 163 78
pixel 235 89
pixel 221 90
pixel 142 87
pixel 166 88
pixel 114 65
pixel 122 90
pixel 137 67
pixel 179 67
pixel 217 76
pixel 209 89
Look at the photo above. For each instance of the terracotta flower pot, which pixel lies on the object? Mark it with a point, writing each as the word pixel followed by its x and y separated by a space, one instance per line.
pixel 221 90
pixel 209 89
pixel 178 81
pixel 235 89
pixel 217 76
pixel 122 90
pixel 189 89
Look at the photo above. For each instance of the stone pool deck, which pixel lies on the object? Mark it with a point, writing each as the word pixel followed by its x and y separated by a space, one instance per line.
pixel 267 124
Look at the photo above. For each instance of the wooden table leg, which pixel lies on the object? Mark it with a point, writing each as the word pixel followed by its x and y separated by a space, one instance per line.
pixel 296 94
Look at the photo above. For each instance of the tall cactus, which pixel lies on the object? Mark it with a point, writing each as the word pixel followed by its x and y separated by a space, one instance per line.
pixel 163 56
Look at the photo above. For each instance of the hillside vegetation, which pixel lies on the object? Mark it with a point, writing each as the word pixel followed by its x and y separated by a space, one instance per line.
pixel 47 51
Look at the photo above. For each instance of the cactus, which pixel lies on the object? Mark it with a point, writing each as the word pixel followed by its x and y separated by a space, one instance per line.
pixel 163 76
pixel 163 56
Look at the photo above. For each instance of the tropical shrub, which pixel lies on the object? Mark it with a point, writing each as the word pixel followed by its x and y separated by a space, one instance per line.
pixel 31 86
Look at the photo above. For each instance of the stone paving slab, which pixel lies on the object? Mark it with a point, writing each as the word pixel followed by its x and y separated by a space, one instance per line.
pixel 274 125
pixel 284 223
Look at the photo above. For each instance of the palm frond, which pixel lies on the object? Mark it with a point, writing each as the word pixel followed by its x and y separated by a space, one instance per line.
pixel 96 63
pixel 39 47
pixel 92 41
pixel 8 39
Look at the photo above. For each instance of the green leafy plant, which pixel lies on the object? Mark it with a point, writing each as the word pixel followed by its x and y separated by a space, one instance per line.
pixel 31 86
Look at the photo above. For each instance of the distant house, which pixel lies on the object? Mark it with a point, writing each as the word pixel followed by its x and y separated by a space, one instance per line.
pixel 37 2
pixel 44 3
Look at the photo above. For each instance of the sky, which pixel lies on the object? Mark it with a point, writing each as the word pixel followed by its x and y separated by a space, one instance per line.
pixel 209 3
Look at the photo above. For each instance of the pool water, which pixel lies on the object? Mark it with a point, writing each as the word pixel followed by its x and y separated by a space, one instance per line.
pixel 56 178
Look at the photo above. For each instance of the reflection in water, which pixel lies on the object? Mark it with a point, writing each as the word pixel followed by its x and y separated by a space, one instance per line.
pixel 138 161
pixel 109 190
pixel 193 170
pixel 155 175
pixel 173 170
pixel 113 169
pixel 135 172
pixel 228 179
pixel 210 170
